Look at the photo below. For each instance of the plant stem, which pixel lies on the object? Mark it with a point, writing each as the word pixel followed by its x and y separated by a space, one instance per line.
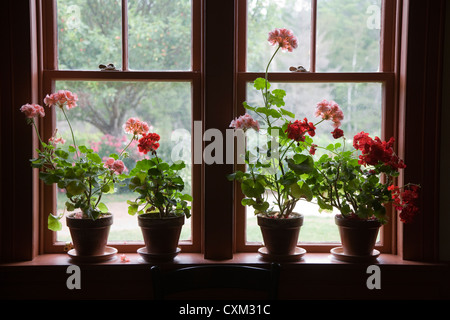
pixel 265 76
pixel 71 131
pixel 132 139
pixel 37 132
pixel 267 68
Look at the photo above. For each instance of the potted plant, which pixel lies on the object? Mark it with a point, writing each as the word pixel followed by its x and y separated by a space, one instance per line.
pixel 85 178
pixel 161 205
pixel 360 183
pixel 282 169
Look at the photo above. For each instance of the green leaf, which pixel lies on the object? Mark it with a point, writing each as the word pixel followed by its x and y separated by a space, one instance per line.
pixel 75 188
pixel 83 149
pixel 53 222
pixel 269 112
pixel 302 191
pixel 285 112
pixel 178 165
pixel 260 84
pixel 301 166
pixel 279 93
pixel 251 188
pixel 163 166
pixel 94 157
pixel 324 206
pixel 115 156
pixel 106 188
pixel 72 149
pixel 61 153
pixel 70 206
pixel 186 197
pixel 132 209
pixel 102 207
pixel 261 207
pixel 48 178
pixel 248 107
pixel 248 202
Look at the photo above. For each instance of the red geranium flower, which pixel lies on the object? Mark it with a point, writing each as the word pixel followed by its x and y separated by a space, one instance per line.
pixel 375 151
pixel 148 143
pixel 405 201
pixel 297 130
pixel 337 133
pixel 312 150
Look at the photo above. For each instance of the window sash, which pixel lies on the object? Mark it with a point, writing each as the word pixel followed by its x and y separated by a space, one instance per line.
pixel 389 107
pixel 50 74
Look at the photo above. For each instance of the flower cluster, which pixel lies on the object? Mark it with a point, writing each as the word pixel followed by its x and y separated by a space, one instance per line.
pixel 62 98
pixel 375 151
pixel 116 166
pixel 330 110
pixel 136 126
pixel 405 201
pixel 245 122
pixel 76 169
pixel 297 130
pixel 32 110
pixel 284 38
pixel 148 143
pixel 54 140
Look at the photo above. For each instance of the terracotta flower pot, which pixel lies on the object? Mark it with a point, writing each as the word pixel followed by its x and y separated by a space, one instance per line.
pixel 161 235
pixel 89 237
pixel 358 237
pixel 280 235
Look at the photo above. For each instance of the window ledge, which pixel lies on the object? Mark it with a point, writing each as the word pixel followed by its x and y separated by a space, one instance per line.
pixel 317 276
pixel 182 259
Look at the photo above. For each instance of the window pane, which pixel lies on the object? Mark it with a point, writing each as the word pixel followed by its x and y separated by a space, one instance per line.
pixel 103 108
pixel 361 104
pixel 348 35
pixel 159 34
pixel 264 16
pixel 89 34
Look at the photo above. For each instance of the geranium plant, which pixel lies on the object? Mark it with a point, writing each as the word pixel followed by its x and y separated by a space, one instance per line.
pixel 158 183
pixel 284 166
pixel 77 169
pixel 360 182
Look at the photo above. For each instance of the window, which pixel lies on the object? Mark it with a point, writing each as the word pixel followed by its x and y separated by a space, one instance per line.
pixel 343 48
pixel 153 47
pixel 410 74
pixel 159 52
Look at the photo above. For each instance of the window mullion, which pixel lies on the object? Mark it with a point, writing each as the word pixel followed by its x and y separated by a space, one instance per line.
pixel 312 67
pixel 125 35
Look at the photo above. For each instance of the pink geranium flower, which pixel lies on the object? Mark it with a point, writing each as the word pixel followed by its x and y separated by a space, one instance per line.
pixel 62 98
pixel 284 38
pixel 32 110
pixel 116 166
pixel 136 126
pixel 330 110
pixel 55 140
pixel 245 122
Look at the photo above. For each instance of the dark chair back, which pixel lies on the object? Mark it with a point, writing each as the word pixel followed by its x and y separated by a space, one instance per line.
pixel 219 277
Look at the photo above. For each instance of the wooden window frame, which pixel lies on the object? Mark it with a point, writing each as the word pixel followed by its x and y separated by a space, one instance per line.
pixel 386 77
pixel 50 74
pixel 416 59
